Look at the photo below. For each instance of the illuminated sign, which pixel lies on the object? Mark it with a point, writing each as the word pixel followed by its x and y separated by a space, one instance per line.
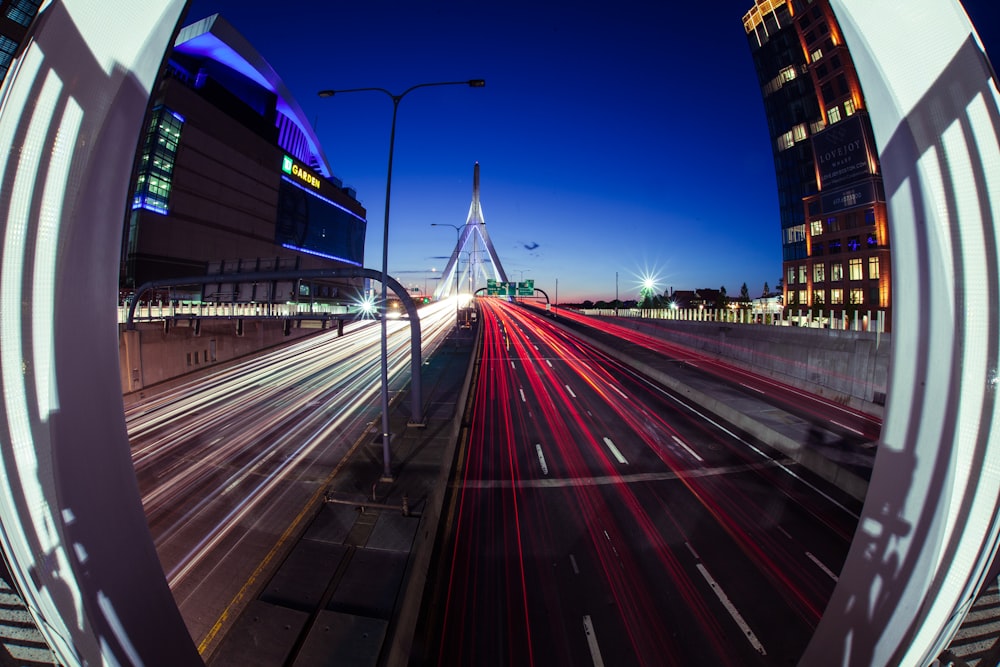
pixel 842 152
pixel 289 167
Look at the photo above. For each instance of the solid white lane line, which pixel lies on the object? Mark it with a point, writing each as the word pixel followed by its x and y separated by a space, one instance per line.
pixel 595 650
pixel 523 399
pixel 614 450
pixel 690 451
pixel 549 363
pixel 570 391
pixel 822 567
pixel 541 459
pixel 512 365
pixel 724 599
pixel 572 561
pixel 620 392
pixel 852 430
pixel 751 388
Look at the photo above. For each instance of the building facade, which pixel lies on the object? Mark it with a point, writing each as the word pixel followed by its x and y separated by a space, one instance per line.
pixel 835 241
pixel 230 177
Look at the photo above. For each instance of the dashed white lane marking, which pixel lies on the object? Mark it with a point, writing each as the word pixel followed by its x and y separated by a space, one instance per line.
pixel 595 650
pixel 614 450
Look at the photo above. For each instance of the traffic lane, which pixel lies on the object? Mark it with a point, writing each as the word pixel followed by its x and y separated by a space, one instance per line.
pixel 846 421
pixel 634 607
pixel 775 572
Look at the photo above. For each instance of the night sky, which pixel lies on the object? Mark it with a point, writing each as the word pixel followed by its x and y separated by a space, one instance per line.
pixel 623 138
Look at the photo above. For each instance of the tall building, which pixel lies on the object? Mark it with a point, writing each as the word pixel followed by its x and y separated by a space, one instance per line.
pixel 230 177
pixel 835 241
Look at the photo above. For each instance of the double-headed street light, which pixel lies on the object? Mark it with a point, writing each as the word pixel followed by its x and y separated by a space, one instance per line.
pixel 458 232
pixel 472 83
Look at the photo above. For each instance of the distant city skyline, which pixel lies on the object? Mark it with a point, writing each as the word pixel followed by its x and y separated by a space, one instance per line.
pixel 630 142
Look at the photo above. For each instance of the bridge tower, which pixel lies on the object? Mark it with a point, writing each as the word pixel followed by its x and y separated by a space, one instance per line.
pixel 481 261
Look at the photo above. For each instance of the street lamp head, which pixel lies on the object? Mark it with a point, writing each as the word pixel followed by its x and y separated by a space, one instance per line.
pixel 477 83
pixel 326 93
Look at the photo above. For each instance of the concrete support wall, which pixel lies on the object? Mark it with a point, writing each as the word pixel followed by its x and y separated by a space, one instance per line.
pixel 851 367
pixel 155 352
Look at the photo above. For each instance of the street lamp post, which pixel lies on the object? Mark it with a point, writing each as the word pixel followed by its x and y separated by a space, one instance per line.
pixel 472 83
pixel 458 232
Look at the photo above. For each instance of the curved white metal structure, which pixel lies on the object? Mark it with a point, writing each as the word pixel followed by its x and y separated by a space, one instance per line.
pixel 73 529
pixel 928 533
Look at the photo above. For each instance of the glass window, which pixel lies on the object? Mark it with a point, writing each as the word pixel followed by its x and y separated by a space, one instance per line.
pixel 816 55
pixel 833 115
pixel 23 11
pixel 872 240
pixel 791 275
pixel 156 165
pixel 819 273
pixel 785 141
pixel 836 271
pixel 836 296
pixel 803 273
pixel 819 297
pixel 854 243
pixel 815 227
pixel 795 234
pixel 799 131
pixel 817 249
pixel 870 216
pixel 857 296
pixel 832 224
pixel 834 246
pixel 803 296
pixel 873 268
pixel 856 269
pixel 849 107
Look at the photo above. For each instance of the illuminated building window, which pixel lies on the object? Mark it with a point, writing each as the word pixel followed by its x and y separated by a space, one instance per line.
pixel 836 271
pixel 819 297
pixel 800 132
pixel 816 55
pixel 23 11
pixel 873 268
pixel 832 224
pixel 815 227
pixel 834 246
pixel 796 234
pixel 849 107
pixel 856 269
pixel 787 74
pixel 152 188
pixel 857 296
pixel 833 115
pixel 803 296
pixel 791 275
pixel 836 296
pixel 785 141
pixel 870 216
pixel 819 273
pixel 803 274
pixel 854 243
pixel 872 240
pixel 818 126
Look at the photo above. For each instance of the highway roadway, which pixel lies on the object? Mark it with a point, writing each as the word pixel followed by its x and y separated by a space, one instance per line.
pixel 229 463
pixel 597 519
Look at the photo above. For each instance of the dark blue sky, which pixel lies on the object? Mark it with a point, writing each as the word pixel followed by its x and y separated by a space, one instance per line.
pixel 626 137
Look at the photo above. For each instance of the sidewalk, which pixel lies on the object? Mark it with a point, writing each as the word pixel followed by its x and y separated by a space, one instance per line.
pixel 351 587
